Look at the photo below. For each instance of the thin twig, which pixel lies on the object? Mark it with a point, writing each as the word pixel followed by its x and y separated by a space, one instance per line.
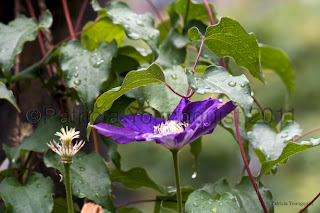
pixel 261 109
pixel 41 43
pixel 158 14
pixel 175 92
pixel 223 63
pixel 306 133
pixel 246 162
pixel 67 15
pixel 82 10
pixel 309 204
pixel 95 140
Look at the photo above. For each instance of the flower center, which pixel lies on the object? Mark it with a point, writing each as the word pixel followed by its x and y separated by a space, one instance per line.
pixel 170 126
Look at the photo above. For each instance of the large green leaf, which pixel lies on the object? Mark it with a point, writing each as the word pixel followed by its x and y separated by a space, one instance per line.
pixel 264 139
pixel 245 194
pixel 134 79
pixel 162 98
pixel 37 142
pixel 277 60
pixel 15 34
pixel 136 178
pixel 290 149
pixel 88 70
pixel 201 201
pixel 61 205
pixel 35 196
pixel 172 50
pixel 217 80
pixel 228 38
pixel 103 30
pixel 89 177
pixel 8 95
pixel 136 26
pixel 196 11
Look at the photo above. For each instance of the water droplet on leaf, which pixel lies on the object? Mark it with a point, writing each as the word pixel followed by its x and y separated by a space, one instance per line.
pixel 214 210
pixel 98 64
pixel 82 169
pixel 195 204
pixel 98 195
pixel 76 75
pixel 77 82
pixel 194 175
pixel 38 185
pixel 232 83
pixel 140 23
pixel 151 36
pixel 76 67
pixel 243 85
pixel 194 88
pixel 284 135
pixel 174 76
pixel 133 36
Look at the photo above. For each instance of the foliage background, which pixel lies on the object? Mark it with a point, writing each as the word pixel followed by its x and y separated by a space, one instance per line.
pixel 293 26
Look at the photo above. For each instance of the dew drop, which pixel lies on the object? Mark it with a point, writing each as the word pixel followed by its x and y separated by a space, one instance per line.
pixel 140 23
pixel 151 36
pixel 76 75
pixel 68 77
pixel 80 181
pixel 79 158
pixel 252 93
pixel 307 143
pixel 133 36
pixel 194 175
pixel 76 67
pixel 209 202
pixel 207 87
pixel 82 169
pixel 201 198
pixel 246 92
pixel 94 54
pixel 243 85
pixel 195 204
pixel 38 185
pixel 98 195
pixel 98 63
pixel 194 88
pixel 232 83
pixel 174 61
pixel 214 210
pixel 201 206
pixel 174 76
pixel 195 198
pixel 284 135
pixel 77 82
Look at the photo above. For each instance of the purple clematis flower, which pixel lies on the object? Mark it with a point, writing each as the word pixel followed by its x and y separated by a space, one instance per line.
pixel 189 121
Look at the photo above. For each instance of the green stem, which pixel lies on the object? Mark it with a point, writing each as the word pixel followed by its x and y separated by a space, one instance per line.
pixel 68 186
pixel 177 175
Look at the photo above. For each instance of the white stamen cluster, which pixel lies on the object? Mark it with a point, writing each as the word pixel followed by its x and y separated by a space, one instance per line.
pixel 170 126
pixel 65 148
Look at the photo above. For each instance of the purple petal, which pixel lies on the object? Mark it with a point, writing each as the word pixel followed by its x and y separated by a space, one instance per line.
pixel 166 139
pixel 140 122
pixel 214 117
pixel 176 114
pixel 120 135
pixel 194 110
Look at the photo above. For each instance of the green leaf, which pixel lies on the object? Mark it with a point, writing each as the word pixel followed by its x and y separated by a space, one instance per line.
pixel 103 30
pixel 14 35
pixel 37 142
pixel 141 57
pixel 290 149
pixel 201 201
pixel 172 50
pixel 245 194
pixel 162 98
pixel 195 149
pixel 217 80
pixel 228 38
pixel 194 34
pixel 8 95
pixel 136 26
pixel 275 59
pixel 60 205
pixel 168 203
pixel 128 210
pixel 88 70
pixel 134 79
pixel 89 174
pixel 263 138
pixel 197 10
pixel 136 178
pixel 35 196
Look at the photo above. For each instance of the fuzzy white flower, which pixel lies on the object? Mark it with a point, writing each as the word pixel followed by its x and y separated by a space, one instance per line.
pixel 65 148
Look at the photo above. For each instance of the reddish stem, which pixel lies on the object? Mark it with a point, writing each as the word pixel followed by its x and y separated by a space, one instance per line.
pixel 306 133
pixel 246 161
pixel 195 65
pixel 261 109
pixel 175 92
pixel 95 140
pixel 223 63
pixel 41 43
pixel 82 10
pixel 158 14
pixel 67 15
pixel 309 204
